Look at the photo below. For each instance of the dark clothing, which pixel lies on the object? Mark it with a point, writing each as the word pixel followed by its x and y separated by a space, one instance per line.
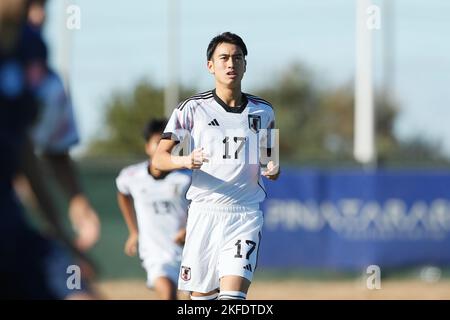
pixel 31 266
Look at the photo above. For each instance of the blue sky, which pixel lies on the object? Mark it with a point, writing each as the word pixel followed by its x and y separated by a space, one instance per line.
pixel 121 42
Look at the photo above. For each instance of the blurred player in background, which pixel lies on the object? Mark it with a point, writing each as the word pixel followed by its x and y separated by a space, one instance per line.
pixel 226 128
pixel 154 206
pixel 33 265
pixel 55 132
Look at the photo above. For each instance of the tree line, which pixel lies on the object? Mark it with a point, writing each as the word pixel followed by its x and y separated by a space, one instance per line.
pixel 316 123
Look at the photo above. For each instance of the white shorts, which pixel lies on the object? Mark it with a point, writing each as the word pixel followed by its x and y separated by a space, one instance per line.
pixel 161 269
pixel 220 241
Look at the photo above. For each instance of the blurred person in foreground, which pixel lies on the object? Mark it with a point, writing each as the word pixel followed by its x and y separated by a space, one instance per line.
pixel 55 131
pixel 154 206
pixel 33 265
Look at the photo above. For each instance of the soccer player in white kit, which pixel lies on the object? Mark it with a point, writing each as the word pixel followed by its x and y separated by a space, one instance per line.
pixel 230 134
pixel 154 207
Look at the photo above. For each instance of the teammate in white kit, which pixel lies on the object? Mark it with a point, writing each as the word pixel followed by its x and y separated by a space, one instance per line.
pixel 154 207
pixel 231 137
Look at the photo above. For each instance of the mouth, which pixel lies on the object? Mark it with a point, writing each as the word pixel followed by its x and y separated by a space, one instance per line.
pixel 232 74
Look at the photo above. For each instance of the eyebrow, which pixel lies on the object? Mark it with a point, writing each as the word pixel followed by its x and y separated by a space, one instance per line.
pixel 227 55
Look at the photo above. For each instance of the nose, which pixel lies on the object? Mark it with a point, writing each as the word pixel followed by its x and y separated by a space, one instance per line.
pixel 230 63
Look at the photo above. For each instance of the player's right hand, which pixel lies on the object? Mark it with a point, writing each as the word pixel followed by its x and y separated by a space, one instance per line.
pixel 196 159
pixel 131 245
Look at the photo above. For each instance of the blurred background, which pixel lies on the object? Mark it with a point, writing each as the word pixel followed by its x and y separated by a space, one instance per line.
pixel 361 100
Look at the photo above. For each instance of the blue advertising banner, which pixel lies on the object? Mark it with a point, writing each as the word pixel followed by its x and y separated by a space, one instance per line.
pixel 353 219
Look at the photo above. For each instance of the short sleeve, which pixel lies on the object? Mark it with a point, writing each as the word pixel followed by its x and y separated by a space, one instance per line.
pixel 122 183
pixel 179 124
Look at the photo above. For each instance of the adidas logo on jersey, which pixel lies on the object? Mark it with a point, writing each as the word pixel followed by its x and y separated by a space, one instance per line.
pixel 248 267
pixel 214 123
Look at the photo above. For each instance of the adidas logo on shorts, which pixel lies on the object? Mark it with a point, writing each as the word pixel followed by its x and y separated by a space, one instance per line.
pixel 248 267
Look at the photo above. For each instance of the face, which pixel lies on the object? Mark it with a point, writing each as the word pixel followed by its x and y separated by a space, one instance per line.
pixel 36 14
pixel 152 144
pixel 228 65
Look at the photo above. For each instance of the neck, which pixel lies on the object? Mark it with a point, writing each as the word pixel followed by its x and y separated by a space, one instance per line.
pixel 231 96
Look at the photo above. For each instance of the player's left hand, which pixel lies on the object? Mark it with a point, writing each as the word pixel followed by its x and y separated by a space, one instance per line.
pixel 180 237
pixel 84 221
pixel 272 172
pixel 131 244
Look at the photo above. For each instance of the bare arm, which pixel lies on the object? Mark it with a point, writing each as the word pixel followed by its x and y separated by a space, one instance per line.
pixel 180 237
pixel 64 171
pixel 163 159
pixel 82 215
pixel 126 208
pixel 32 170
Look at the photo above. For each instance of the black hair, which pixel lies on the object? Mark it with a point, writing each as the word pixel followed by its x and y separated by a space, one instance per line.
pixel 226 37
pixel 154 126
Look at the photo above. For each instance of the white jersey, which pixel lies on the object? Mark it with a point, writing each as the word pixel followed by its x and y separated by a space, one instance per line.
pixel 161 209
pixel 232 138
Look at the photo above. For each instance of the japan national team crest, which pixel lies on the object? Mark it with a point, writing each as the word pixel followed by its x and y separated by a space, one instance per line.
pixel 185 273
pixel 254 122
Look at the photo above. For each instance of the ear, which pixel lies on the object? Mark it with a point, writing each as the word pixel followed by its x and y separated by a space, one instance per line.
pixel 245 65
pixel 147 148
pixel 210 66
